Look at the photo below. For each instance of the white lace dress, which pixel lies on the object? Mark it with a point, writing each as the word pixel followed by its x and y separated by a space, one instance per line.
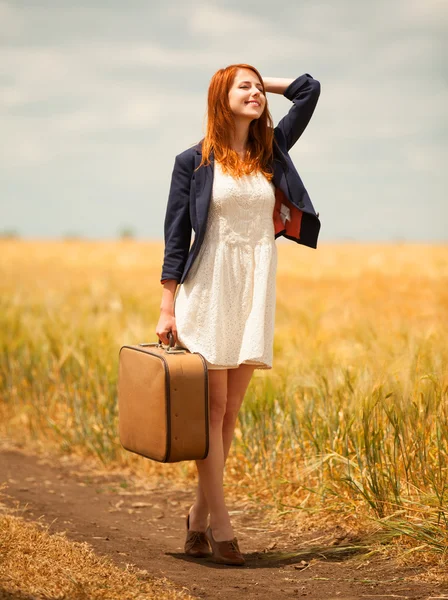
pixel 225 309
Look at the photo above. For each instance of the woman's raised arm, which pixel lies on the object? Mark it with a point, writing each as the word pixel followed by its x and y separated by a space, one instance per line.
pixel 304 92
pixel 276 85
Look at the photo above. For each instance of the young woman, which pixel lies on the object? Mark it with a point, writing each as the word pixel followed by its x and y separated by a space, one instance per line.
pixel 238 190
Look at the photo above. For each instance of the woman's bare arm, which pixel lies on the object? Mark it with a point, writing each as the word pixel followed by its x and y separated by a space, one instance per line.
pixel 276 85
pixel 169 291
pixel 167 320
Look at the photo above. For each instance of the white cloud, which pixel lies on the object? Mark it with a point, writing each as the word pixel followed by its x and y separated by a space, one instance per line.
pixel 213 20
pixel 98 93
pixel 12 22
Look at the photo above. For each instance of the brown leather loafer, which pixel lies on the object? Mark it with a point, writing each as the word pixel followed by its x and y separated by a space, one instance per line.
pixel 226 552
pixel 196 544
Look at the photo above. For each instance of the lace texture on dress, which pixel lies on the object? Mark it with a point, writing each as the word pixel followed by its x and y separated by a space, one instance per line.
pixel 225 309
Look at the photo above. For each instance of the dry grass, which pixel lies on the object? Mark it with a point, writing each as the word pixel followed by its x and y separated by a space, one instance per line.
pixel 37 564
pixel 351 424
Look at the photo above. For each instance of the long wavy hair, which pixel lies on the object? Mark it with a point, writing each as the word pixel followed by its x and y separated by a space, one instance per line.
pixel 221 124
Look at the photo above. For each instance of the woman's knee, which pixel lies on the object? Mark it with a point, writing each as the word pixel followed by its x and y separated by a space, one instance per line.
pixel 233 406
pixel 217 395
pixel 217 408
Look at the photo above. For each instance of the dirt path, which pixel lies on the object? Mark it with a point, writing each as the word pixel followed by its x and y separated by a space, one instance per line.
pixel 133 522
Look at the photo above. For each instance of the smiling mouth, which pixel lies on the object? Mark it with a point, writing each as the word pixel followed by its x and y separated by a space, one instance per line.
pixel 253 102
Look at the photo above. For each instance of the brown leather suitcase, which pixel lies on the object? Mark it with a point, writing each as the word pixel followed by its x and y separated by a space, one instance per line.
pixel 163 402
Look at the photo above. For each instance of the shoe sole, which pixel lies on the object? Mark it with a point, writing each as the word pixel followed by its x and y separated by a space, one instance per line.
pixel 223 561
pixel 198 554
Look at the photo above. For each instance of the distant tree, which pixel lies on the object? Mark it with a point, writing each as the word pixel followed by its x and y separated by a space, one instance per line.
pixel 126 233
pixel 72 236
pixel 9 234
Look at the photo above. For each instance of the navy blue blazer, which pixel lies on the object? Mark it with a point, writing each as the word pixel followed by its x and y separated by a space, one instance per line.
pixel 190 192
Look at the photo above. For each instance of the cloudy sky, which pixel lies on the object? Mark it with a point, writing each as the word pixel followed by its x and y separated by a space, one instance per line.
pixel 97 98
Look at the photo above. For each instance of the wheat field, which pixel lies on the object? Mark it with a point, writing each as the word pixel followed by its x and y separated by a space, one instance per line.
pixel 351 423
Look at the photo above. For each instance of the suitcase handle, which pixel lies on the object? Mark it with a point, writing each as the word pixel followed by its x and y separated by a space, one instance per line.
pixel 171 348
pixel 175 349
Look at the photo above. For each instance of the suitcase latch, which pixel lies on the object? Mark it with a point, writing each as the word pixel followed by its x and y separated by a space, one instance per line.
pixel 175 350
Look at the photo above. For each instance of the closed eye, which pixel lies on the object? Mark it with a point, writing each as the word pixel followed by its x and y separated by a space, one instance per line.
pixel 245 87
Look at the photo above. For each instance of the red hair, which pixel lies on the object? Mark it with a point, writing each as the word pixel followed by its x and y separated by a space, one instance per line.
pixel 220 124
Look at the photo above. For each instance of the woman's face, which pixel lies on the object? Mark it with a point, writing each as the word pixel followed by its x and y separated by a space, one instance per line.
pixel 246 98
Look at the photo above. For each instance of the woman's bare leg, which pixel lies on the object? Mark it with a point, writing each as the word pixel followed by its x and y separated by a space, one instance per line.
pixel 211 469
pixel 234 386
pixel 237 383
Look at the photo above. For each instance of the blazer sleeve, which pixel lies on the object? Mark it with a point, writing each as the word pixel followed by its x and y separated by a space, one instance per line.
pixel 177 226
pixel 304 93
